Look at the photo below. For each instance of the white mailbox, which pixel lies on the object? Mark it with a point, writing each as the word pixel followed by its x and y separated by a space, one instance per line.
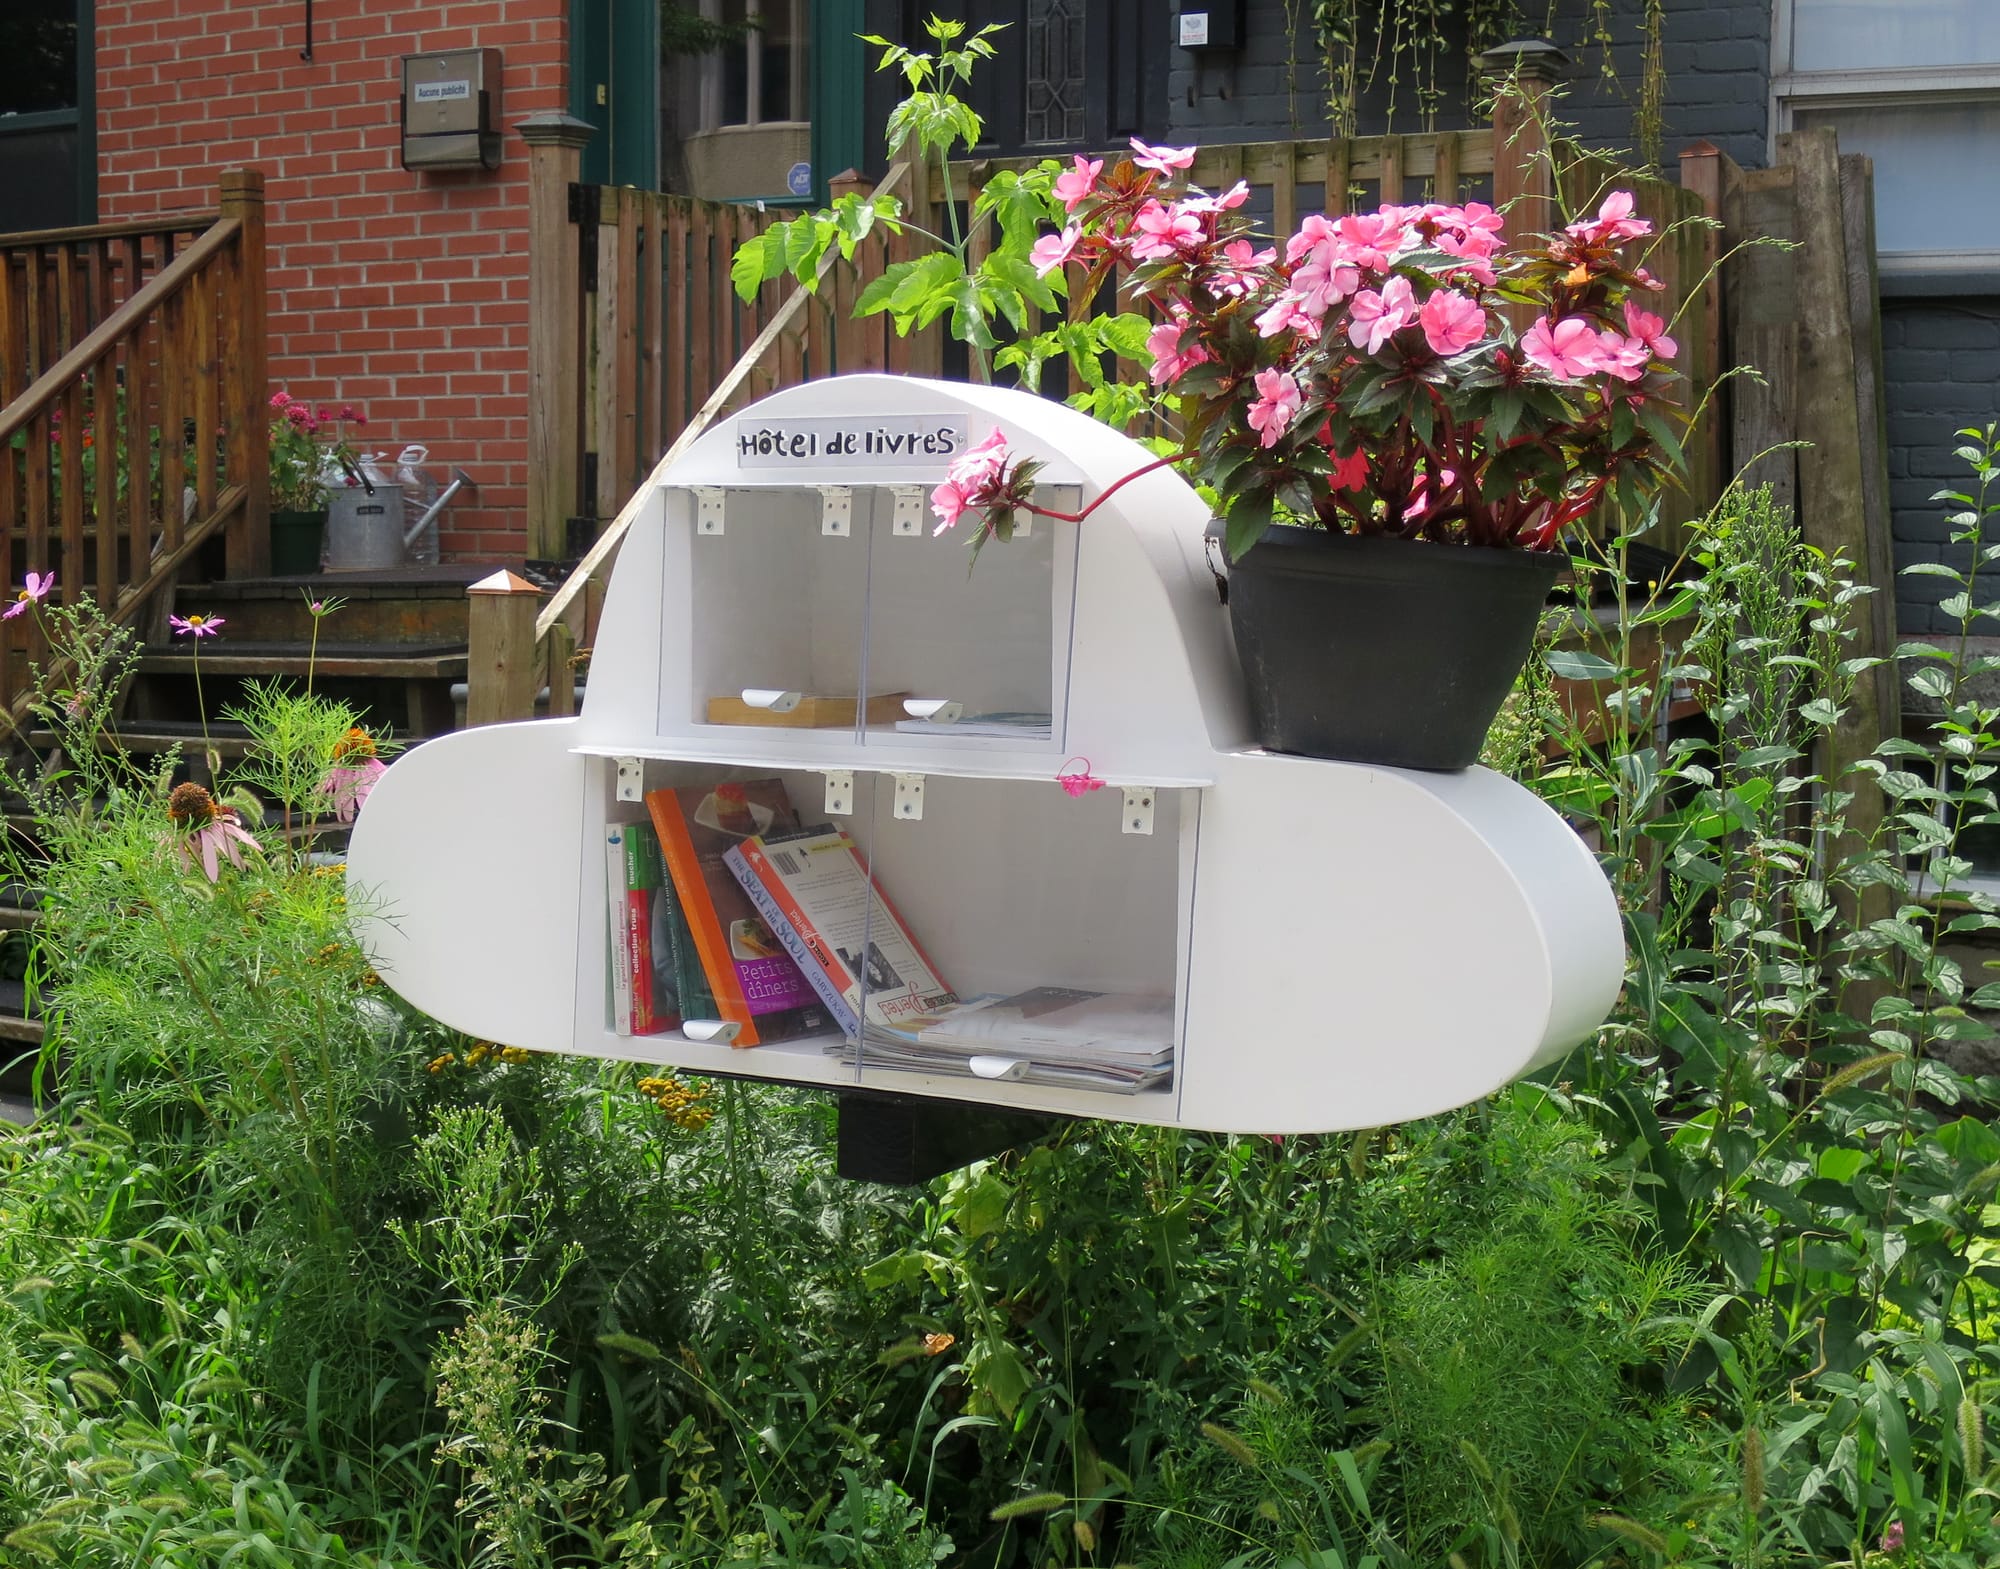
pixel 1332 946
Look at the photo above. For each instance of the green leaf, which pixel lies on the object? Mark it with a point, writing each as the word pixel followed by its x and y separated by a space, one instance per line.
pixel 746 269
pixel 1249 516
pixel 1570 664
pixel 983 1206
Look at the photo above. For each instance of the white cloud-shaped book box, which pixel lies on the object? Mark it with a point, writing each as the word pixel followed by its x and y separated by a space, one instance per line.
pixel 1341 946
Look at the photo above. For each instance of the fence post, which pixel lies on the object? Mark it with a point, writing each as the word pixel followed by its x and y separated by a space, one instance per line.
pixel 1521 75
pixel 247 550
pixel 555 331
pixel 500 657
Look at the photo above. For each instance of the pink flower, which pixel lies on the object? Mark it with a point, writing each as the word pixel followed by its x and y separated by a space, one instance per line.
pixel 1236 273
pixel 347 411
pixel 1376 318
pixel 1161 232
pixel 1614 223
pixel 34 593
pixel 280 398
pixel 1163 160
pixel 1075 187
pixel 975 479
pixel 1278 400
pixel 349 785
pixel 196 626
pixel 206 828
pixel 1623 357
pixel 1567 349
pixel 1324 277
pixel 1372 239
pixel 1234 197
pixel 1287 314
pixel 1892 1538
pixel 1052 250
pixel 1170 360
pixel 1452 323
pixel 1350 472
pixel 1650 330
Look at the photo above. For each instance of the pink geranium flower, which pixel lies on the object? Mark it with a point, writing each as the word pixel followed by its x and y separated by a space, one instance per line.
pixel 1452 323
pixel 1052 250
pixel 34 593
pixel 1162 160
pixel 1567 349
pixel 1278 400
pixel 1376 318
pixel 1075 187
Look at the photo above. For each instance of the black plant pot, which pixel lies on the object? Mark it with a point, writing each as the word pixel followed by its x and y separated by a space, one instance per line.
pixel 1376 650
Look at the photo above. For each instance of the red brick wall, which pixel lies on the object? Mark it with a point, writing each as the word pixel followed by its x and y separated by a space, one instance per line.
pixel 405 294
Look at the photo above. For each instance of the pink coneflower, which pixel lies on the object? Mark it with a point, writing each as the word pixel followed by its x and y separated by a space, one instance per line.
pixel 36 591
pixel 207 828
pixel 353 774
pixel 196 626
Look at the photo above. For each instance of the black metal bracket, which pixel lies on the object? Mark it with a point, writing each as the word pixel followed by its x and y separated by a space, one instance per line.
pixel 307 52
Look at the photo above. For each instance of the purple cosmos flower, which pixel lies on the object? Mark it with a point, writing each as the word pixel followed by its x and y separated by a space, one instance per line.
pixel 36 591
pixel 195 626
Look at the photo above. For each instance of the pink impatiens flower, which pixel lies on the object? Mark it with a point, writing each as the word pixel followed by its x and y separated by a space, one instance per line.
pixel 1170 360
pixel 1162 160
pixel 1452 323
pixel 1372 239
pixel 1052 250
pixel 1567 349
pixel 1237 272
pixel 1376 318
pixel 1287 313
pixel 1074 188
pixel 37 590
pixel 1278 400
pixel 1614 223
pixel 1650 330
pixel 974 479
pixel 1162 232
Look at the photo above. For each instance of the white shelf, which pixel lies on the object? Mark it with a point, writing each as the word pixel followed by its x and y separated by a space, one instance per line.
pixel 815 751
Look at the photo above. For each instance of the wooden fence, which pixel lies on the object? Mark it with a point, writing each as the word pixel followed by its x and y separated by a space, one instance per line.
pixel 133 422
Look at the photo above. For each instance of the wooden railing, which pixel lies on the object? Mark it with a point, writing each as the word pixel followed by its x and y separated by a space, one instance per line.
pixel 134 426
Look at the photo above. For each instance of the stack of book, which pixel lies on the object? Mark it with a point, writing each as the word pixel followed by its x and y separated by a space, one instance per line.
pixel 723 908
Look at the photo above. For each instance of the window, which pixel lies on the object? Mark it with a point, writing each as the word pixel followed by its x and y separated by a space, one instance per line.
pixel 1055 71
pixel 1916 86
pixel 761 78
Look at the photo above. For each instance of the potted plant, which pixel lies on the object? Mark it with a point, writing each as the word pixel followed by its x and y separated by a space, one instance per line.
pixel 305 461
pixel 1393 464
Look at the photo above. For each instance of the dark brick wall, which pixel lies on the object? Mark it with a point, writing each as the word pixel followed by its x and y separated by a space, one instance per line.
pixel 1941 366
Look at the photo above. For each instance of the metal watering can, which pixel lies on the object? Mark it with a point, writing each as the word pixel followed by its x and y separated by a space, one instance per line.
pixel 365 526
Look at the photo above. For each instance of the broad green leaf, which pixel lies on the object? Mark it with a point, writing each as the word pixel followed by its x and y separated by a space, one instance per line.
pixel 1571 664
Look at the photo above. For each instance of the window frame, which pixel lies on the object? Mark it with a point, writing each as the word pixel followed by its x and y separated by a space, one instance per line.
pixel 711 69
pixel 1888 88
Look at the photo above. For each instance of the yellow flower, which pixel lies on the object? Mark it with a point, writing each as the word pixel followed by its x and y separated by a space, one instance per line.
pixel 439 1063
pixel 478 1054
pixel 515 1054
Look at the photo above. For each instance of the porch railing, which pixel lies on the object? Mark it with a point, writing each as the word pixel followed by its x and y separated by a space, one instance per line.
pixel 133 427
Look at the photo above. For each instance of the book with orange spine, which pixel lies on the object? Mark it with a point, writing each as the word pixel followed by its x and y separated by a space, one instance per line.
pixel 757 985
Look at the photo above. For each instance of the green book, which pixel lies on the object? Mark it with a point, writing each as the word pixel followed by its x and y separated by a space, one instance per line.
pixel 673 942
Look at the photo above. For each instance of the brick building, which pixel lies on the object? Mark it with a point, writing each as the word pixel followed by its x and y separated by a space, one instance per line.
pixel 403 293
